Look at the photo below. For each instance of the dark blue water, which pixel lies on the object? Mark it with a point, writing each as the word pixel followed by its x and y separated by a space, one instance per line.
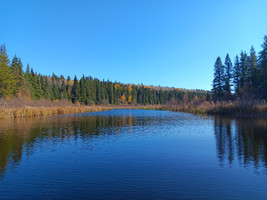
pixel 133 154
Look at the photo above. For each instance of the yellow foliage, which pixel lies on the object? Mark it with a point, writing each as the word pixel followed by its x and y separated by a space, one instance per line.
pixel 196 98
pixel 71 82
pixel 130 89
pixel 130 99
pixel 117 86
pixel 123 98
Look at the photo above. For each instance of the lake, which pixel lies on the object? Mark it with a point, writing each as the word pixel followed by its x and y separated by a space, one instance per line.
pixel 133 154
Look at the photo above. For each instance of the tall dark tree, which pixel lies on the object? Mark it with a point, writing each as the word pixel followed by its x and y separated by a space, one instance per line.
pixel 111 93
pixel 237 75
pixel 8 83
pixel 227 74
pixel 16 68
pixel 218 78
pixel 253 70
pixel 47 93
pixel 263 67
pixel 82 97
pixel 244 79
pixel 56 92
pixel 75 92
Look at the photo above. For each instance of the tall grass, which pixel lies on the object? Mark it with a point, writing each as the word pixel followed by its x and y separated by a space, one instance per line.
pixel 18 108
pixel 237 107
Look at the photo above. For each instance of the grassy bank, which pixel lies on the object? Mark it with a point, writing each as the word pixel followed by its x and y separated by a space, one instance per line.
pixel 19 108
pixel 237 107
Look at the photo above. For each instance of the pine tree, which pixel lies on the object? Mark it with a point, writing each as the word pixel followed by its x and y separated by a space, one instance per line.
pixel 237 75
pixel 227 75
pixel 75 92
pixel 16 68
pixel 111 93
pixel 63 90
pixel 263 67
pixel 253 70
pixel 8 82
pixel 218 78
pixel 98 92
pixel 56 92
pixel 244 79
pixel 47 93
pixel 92 90
pixel 82 97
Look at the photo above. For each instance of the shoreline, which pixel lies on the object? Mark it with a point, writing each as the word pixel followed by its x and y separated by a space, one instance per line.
pixel 227 109
pixel 33 111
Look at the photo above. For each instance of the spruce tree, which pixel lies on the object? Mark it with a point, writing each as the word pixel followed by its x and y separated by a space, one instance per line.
pixel 244 79
pixel 227 75
pixel 253 70
pixel 111 93
pixel 56 92
pixel 82 97
pixel 75 92
pixel 8 83
pixel 263 67
pixel 237 75
pixel 218 78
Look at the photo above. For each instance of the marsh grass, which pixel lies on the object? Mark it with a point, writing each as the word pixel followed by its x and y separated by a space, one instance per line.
pixel 19 108
pixel 237 107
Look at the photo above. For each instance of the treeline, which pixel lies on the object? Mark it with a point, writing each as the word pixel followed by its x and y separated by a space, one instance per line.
pixel 87 90
pixel 247 77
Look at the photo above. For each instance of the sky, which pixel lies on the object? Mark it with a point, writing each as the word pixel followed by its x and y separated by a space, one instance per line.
pixel 153 42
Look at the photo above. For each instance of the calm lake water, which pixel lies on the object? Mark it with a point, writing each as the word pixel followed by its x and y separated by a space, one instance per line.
pixel 133 154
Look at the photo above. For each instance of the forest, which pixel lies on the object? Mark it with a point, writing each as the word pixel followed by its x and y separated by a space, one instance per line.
pixel 239 88
pixel 246 78
pixel 27 84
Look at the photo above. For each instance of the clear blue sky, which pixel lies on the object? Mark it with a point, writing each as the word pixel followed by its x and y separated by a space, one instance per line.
pixel 158 42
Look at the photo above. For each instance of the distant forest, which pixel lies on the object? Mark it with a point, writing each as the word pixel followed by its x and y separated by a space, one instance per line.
pixel 246 78
pixel 16 82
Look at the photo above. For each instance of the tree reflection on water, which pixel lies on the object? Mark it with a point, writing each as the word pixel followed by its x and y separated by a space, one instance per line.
pixel 244 140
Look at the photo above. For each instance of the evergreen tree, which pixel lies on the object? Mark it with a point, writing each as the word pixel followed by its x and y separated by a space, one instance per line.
pixel 8 82
pixel 16 69
pixel 47 93
pixel 92 90
pixel 253 70
pixel 237 75
pixel 227 75
pixel 263 67
pixel 75 90
pixel 98 92
pixel 82 96
pixel 218 78
pixel 111 93
pixel 63 90
pixel 56 92
pixel 244 79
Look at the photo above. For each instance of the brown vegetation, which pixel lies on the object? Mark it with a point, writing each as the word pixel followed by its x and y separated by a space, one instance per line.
pixel 238 107
pixel 19 107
